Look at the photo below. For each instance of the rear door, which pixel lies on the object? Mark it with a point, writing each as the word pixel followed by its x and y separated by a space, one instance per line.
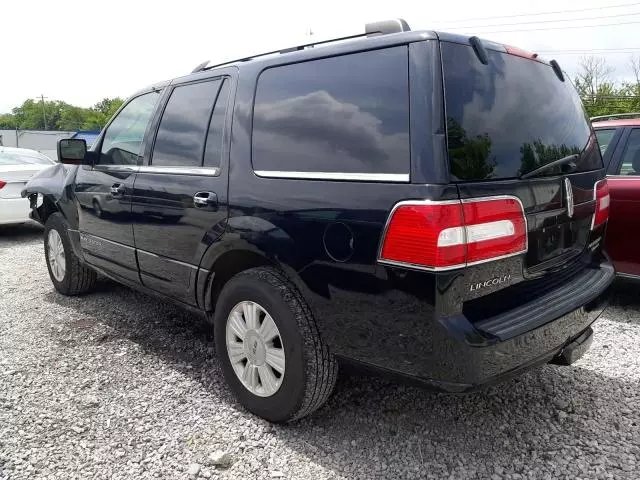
pixel 180 194
pixel 624 221
pixel 508 118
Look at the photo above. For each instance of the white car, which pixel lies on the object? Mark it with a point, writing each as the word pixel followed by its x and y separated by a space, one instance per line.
pixel 17 166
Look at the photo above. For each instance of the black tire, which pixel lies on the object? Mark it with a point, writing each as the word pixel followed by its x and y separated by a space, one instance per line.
pixel 310 369
pixel 78 278
pixel 97 209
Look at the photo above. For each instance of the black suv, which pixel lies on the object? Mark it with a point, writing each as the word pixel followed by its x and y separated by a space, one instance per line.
pixel 427 204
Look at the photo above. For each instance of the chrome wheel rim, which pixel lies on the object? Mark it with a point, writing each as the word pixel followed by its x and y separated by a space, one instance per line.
pixel 255 349
pixel 56 255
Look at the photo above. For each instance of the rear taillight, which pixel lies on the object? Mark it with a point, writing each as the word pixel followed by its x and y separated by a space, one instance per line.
pixel 2 184
pixel 602 198
pixel 453 234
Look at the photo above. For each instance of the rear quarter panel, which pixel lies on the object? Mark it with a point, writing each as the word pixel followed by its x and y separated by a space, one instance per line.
pixel 325 235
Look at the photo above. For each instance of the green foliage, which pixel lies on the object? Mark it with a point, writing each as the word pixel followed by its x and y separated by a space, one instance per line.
pixel 32 114
pixel 602 96
pixel 537 154
pixel 469 156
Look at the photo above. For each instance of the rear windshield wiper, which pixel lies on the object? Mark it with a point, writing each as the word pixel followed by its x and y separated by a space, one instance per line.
pixel 568 160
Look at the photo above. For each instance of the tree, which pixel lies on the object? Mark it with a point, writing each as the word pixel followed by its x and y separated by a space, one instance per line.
pixel 108 106
pixel 593 74
pixel 470 157
pixel 634 63
pixel 72 118
pixel 7 120
pixel 602 96
pixel 60 115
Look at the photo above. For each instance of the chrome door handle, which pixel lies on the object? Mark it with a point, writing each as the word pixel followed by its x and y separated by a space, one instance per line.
pixel 117 189
pixel 205 199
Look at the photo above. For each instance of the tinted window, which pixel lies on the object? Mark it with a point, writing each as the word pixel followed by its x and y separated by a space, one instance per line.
pixel 213 148
pixel 342 114
pixel 604 138
pixel 511 116
pixel 123 138
pixel 183 127
pixel 631 157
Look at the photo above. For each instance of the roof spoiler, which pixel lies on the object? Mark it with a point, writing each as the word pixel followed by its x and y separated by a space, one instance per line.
pixel 384 27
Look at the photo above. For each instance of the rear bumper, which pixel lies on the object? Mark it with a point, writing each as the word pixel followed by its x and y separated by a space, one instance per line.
pixel 13 210
pixel 554 327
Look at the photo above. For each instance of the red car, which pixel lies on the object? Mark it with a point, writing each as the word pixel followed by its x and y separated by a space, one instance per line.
pixel 619 140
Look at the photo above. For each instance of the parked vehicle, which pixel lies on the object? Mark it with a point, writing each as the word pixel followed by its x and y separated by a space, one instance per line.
pixel 330 214
pixel 17 165
pixel 619 139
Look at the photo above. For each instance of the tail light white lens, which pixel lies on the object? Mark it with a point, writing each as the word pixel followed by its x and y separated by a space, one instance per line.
pixel 496 227
pixel 602 198
pixel 453 234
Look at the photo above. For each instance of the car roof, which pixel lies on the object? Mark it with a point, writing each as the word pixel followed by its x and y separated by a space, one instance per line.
pixel 620 122
pixel 26 151
pixel 326 48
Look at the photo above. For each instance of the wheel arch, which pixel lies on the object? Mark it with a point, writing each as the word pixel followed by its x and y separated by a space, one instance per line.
pixel 225 260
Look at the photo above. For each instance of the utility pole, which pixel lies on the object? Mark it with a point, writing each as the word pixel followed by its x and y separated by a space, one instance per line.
pixel 44 115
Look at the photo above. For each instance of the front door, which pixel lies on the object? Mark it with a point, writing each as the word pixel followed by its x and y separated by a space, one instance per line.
pixel 104 190
pixel 624 216
pixel 180 193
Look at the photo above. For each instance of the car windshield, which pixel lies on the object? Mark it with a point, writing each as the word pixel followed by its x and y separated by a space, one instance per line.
pixel 24 158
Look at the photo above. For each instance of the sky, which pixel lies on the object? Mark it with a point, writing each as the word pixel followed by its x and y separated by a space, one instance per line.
pixel 80 52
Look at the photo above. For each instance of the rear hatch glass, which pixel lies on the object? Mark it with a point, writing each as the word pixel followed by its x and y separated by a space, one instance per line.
pixel 507 119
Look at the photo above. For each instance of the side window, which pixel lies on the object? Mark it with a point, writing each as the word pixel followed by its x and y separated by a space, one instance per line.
pixel 631 157
pixel 213 147
pixel 123 138
pixel 183 127
pixel 604 137
pixel 347 114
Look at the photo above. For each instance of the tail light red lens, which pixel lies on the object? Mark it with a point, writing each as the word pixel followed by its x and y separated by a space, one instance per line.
pixel 602 198
pixel 453 234
pixel 2 184
pixel 423 233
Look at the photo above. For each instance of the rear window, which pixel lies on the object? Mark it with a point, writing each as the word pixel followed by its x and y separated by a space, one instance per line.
pixel 511 116
pixel 347 114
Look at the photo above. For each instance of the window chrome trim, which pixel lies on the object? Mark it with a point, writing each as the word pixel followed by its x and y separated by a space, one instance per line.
pixel 116 168
pixel 625 177
pixel 628 276
pixel 197 171
pixel 340 176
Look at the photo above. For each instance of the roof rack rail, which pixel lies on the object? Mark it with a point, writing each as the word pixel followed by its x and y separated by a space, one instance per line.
pixel 616 116
pixel 383 27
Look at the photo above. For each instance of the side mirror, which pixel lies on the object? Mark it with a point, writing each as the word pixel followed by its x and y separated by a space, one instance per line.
pixel 72 151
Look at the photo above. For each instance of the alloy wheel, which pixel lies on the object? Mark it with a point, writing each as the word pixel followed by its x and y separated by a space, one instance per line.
pixel 255 348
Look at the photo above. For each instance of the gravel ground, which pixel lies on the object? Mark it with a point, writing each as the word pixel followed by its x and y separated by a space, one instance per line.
pixel 118 385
